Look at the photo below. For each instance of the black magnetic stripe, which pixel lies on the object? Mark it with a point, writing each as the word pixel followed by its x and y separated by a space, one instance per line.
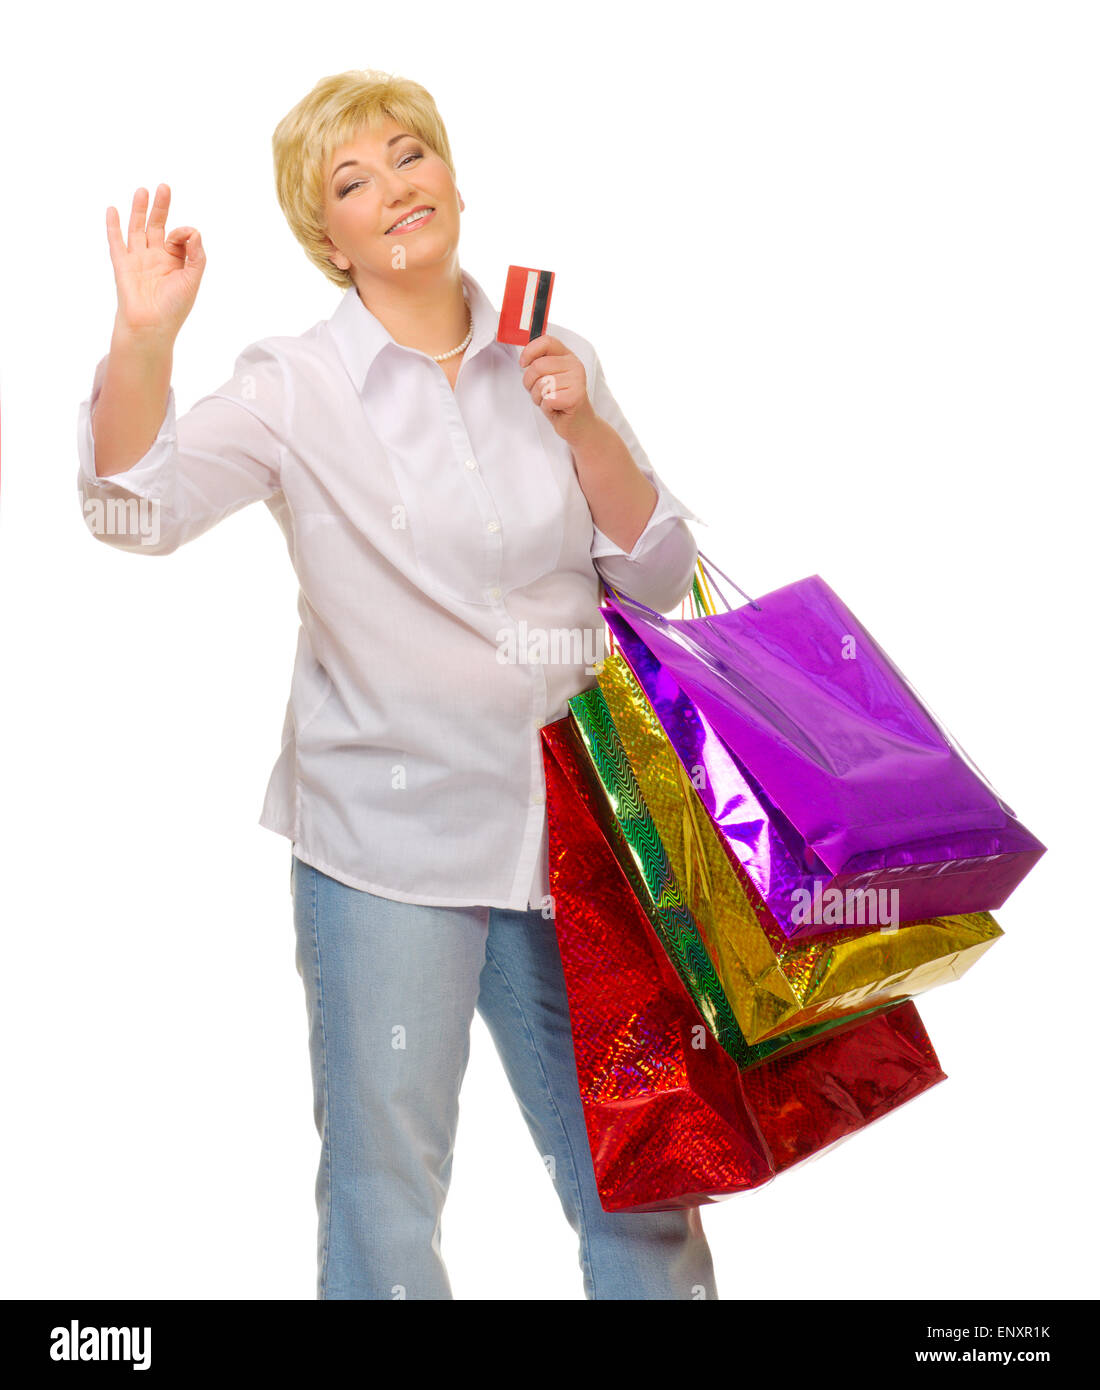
pixel 538 313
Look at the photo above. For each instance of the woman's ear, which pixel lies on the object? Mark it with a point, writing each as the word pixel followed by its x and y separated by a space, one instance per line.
pixel 338 256
pixel 461 204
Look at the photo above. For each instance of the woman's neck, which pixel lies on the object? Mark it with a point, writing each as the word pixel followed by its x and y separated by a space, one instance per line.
pixel 428 315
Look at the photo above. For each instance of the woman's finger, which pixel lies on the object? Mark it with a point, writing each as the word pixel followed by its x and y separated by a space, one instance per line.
pixel 154 232
pixel 186 242
pixel 550 364
pixel 136 232
pixel 114 238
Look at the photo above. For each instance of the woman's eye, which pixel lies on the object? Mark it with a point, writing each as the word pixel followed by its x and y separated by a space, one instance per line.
pixel 355 184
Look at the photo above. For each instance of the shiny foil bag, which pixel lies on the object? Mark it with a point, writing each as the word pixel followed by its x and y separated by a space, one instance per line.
pixel 818 761
pixel 672 1120
pixel 773 984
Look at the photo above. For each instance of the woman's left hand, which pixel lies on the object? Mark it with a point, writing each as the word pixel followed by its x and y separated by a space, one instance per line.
pixel 556 381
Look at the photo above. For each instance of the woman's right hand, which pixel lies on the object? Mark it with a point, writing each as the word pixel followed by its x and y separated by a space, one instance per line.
pixel 157 277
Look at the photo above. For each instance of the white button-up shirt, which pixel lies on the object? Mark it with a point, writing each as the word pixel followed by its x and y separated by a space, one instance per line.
pixel 448 570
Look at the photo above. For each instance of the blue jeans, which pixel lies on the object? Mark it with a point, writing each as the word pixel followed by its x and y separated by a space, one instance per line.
pixel 391 989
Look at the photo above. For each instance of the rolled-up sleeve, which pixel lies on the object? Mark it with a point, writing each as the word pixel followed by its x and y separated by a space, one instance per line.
pixel 658 570
pixel 223 453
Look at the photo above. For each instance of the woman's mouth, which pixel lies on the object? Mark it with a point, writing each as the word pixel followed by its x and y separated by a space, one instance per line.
pixel 413 222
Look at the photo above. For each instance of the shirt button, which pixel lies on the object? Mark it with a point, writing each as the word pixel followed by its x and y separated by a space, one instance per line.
pixel 494 593
pixel 494 525
pixel 471 463
pixel 537 798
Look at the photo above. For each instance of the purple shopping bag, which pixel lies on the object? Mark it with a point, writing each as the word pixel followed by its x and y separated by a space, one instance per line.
pixel 818 761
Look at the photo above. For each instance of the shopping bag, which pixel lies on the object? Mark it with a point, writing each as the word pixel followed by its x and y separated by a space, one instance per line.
pixel 672 1120
pixel 818 761
pixel 772 984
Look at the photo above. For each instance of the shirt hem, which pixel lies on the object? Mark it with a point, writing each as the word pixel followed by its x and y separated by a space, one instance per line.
pixel 380 890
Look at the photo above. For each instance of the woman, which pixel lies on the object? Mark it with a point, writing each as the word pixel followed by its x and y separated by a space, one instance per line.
pixel 445 499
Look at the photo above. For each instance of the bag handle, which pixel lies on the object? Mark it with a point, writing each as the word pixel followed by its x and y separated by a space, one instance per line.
pixel 636 602
pixel 705 565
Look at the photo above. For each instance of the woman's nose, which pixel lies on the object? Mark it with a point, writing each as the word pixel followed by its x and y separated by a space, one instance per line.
pixel 396 189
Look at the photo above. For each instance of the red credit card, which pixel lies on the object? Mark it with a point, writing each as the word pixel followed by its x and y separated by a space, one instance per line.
pixel 526 304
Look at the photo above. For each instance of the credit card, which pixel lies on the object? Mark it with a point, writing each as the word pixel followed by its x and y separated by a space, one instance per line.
pixel 526 304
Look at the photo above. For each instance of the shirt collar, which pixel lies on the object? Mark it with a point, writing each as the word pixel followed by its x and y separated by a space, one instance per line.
pixel 360 337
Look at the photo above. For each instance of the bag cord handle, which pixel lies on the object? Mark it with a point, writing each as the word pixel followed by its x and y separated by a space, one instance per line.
pixel 705 565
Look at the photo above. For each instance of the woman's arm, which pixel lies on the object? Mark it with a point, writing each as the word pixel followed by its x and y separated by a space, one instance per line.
pixel 157 278
pixel 223 453
pixel 641 542
pixel 130 409
pixel 144 484
pixel 620 497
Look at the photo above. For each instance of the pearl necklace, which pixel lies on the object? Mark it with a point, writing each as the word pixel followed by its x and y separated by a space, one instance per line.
pixel 463 345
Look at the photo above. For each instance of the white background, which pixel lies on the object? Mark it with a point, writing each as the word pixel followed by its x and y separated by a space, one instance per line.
pixel 840 263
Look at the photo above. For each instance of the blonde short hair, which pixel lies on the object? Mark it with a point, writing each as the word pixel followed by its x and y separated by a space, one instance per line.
pixel 335 111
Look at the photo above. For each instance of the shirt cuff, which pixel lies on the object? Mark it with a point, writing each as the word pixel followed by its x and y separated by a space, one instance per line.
pixel 146 476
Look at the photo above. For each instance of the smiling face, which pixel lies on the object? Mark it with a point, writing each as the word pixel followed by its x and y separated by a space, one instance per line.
pixel 376 180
